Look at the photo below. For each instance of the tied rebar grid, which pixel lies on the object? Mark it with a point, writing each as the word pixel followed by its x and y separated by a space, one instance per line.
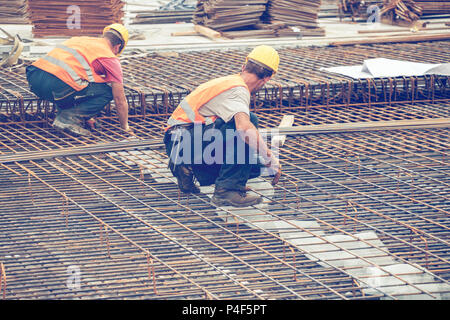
pixel 155 84
pixel 133 236
pixel 152 126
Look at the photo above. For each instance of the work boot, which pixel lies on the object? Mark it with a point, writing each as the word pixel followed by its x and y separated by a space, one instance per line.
pixel 71 128
pixel 235 198
pixel 70 124
pixel 185 179
pixel 92 124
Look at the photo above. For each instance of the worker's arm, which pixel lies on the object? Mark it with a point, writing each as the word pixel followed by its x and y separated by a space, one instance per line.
pixel 121 104
pixel 253 138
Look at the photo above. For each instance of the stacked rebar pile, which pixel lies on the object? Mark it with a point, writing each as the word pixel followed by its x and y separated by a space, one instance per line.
pixel 265 30
pixel 13 11
pixel 82 17
pixel 157 16
pixel 224 15
pixel 358 8
pixel 298 13
pixel 406 10
pixel 434 6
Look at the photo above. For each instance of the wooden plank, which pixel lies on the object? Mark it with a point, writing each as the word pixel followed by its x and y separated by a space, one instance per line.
pixel 402 23
pixel 184 33
pixel 286 122
pixel 207 32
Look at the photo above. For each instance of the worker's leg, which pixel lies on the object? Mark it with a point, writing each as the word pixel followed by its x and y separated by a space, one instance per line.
pixel 234 175
pixel 86 104
pixel 207 162
pixel 91 101
pixel 178 164
pixel 230 186
pixel 48 87
pixel 73 107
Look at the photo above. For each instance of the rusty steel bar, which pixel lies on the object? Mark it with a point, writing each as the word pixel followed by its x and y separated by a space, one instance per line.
pixel 161 244
pixel 155 85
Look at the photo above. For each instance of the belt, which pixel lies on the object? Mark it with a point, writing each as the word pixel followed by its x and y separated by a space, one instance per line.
pixel 179 126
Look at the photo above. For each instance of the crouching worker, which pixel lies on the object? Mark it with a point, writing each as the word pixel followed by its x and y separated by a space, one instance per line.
pixel 81 76
pixel 213 136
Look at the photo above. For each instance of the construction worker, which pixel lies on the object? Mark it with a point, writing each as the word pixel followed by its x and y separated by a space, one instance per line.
pixel 216 108
pixel 81 76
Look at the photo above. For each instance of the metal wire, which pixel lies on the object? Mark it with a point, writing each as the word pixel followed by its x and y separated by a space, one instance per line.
pixel 326 177
pixel 155 84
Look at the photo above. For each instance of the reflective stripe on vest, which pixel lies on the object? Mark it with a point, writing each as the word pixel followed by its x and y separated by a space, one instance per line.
pixel 187 110
pixel 66 68
pixel 80 59
pixel 172 122
pixel 72 61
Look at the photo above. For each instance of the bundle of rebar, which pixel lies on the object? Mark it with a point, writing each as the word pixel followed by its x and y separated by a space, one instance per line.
pixel 158 16
pixel 299 13
pixel 13 12
pixel 156 84
pixel 357 8
pixel 267 30
pixel 362 216
pixel 356 215
pixel 394 10
pixel 329 8
pixel 53 18
pixel 406 10
pixel 221 15
pixel 437 7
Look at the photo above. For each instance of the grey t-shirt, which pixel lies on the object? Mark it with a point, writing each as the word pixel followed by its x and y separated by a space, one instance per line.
pixel 227 104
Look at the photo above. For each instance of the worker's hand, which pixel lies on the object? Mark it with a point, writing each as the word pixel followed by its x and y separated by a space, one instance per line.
pixel 274 167
pixel 277 176
pixel 129 131
pixel 272 162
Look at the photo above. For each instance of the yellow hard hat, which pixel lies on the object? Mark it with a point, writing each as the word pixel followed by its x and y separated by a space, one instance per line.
pixel 121 30
pixel 265 55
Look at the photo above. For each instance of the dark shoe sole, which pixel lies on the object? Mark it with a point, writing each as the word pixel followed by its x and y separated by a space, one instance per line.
pixel 69 128
pixel 192 190
pixel 185 180
pixel 225 202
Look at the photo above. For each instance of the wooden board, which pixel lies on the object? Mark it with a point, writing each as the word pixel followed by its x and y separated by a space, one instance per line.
pixel 286 122
pixel 223 15
pixel 51 17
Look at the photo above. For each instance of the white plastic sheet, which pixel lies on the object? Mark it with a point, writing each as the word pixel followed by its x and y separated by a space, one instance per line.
pixel 389 68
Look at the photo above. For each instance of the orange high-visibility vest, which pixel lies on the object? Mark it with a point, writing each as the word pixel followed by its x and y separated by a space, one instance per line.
pixel 72 61
pixel 188 109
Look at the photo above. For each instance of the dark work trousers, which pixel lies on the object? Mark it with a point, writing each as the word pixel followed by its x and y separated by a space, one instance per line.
pixel 86 103
pixel 231 175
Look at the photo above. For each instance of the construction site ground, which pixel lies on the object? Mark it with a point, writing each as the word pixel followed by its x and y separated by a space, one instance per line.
pixel 358 214
pixel 157 37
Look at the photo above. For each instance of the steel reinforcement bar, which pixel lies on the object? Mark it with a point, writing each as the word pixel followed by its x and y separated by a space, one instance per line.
pixel 156 84
pixel 134 235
